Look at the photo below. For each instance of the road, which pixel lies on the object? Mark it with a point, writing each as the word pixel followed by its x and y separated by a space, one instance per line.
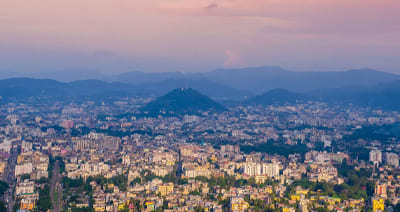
pixel 9 177
pixel 56 189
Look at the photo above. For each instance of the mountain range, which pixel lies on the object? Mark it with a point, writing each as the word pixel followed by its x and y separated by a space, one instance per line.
pixel 242 82
pixel 279 97
pixel 20 88
pixel 254 86
pixel 261 79
pixel 382 96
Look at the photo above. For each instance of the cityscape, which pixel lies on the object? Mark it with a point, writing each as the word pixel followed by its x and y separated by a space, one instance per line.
pixel 109 156
pixel 199 105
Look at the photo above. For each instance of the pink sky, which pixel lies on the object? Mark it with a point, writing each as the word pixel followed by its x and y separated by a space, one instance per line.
pixel 199 35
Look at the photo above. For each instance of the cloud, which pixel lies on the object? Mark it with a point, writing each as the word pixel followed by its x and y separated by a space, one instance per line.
pixel 313 16
pixel 233 59
pixel 211 6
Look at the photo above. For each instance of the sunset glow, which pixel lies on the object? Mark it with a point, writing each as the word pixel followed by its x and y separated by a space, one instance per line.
pixel 197 35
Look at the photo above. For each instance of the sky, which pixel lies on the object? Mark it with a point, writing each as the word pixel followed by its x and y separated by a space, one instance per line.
pixel 115 36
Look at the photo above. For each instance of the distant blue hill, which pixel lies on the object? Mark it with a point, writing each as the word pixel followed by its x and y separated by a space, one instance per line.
pixel 182 101
pixel 383 96
pixel 253 86
pixel 20 88
pixel 206 87
pixel 261 79
pixel 236 84
pixel 278 97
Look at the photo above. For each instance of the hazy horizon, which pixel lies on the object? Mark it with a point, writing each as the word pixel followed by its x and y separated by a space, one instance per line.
pixel 94 74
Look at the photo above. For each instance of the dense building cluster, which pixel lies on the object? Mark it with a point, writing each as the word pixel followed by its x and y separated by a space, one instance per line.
pixel 104 156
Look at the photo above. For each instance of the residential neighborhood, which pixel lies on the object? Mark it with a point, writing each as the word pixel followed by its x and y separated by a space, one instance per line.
pixel 86 157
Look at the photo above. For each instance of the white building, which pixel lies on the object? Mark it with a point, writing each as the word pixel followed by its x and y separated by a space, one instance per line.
pixel 375 156
pixel 252 169
pixel 126 160
pixel 230 148
pixel 26 187
pixel 392 159
pixel 270 169
pixel 5 146
pixel 190 119
pixel 23 169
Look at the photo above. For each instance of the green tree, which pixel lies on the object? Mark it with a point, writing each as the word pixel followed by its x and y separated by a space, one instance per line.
pixel 136 180
pixel 3 187
pixel 3 207
pixel 44 202
pixel 121 181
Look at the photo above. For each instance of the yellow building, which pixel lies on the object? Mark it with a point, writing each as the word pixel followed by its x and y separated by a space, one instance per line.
pixel 286 209
pixel 295 197
pixel 260 178
pixel 269 189
pixel 2 166
pixel 170 163
pixel 110 186
pixel 28 202
pixel 333 200
pixel 356 202
pixel 149 205
pixel 239 206
pixel 20 159
pixel 27 205
pixel 378 205
pixel 302 191
pixel 165 189
pixel 99 208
